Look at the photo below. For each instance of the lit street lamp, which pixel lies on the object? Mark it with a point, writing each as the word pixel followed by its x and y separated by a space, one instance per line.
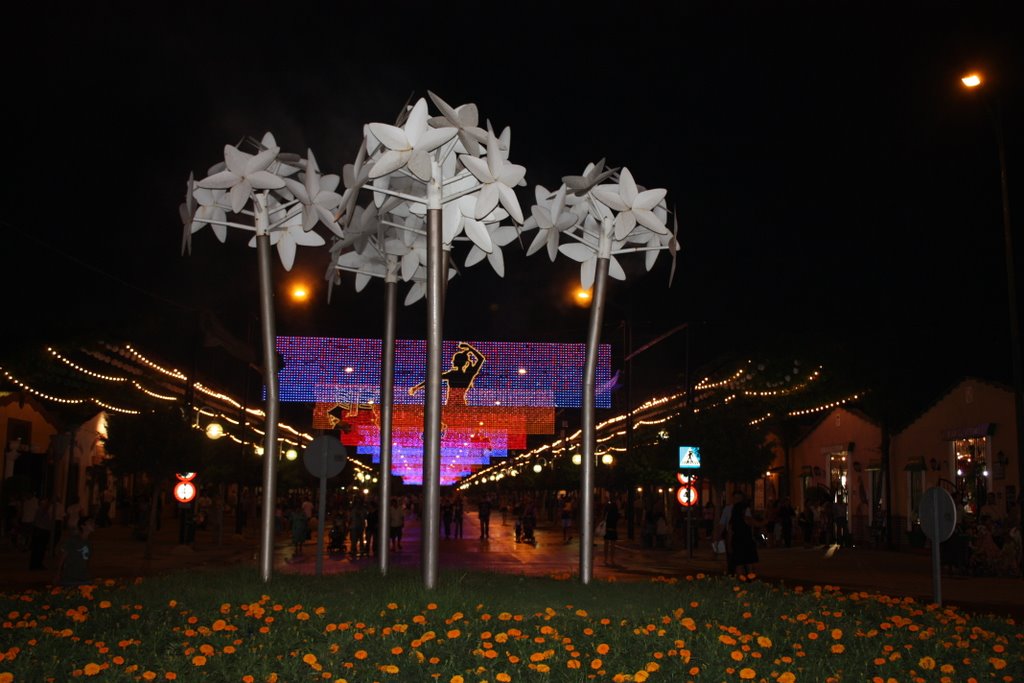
pixel 973 81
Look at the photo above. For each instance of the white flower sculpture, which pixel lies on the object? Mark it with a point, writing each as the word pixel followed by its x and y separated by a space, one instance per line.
pixel 585 221
pixel 261 183
pixel 397 163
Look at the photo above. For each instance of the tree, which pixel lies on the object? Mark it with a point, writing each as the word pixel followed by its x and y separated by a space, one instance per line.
pixel 155 444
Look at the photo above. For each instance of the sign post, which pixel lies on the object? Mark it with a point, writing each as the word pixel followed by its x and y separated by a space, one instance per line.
pixel 325 457
pixel 689 463
pixel 938 519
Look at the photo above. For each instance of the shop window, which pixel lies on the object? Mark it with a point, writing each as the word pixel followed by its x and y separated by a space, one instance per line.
pixel 972 471
pixel 837 464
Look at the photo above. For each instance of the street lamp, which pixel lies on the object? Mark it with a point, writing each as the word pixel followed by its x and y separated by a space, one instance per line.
pixel 974 81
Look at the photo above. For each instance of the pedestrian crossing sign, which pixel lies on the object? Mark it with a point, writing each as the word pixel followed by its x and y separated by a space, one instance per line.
pixel 689 457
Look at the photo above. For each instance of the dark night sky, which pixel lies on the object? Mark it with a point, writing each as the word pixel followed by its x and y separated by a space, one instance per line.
pixel 838 193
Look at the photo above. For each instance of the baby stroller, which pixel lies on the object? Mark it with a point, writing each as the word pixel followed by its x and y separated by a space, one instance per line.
pixel 336 539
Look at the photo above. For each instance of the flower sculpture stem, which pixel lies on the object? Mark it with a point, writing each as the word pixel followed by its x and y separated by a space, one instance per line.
pixel 270 445
pixel 436 278
pixel 387 399
pixel 589 435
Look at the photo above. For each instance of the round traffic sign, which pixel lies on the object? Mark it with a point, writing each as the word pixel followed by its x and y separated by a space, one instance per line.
pixel 937 513
pixel 325 456
pixel 184 491
pixel 687 496
pixel 186 476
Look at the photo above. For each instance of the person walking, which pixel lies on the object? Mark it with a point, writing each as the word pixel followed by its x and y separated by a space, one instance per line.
pixel 483 512
pixel 742 549
pixel 396 522
pixel 446 517
pixel 42 527
pixel 457 515
pixel 786 514
pixel 611 531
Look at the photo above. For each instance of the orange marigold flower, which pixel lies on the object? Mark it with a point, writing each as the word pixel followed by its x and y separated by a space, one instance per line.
pixel 837 633
pixel 247 678
pixel 926 663
pixel 747 673
pixel 148 675
pixel 596 664
pixel 503 677
pixel 786 677
pixel 219 625
pixel 171 676
pixel 997 663
pixel 736 655
pixel 91 669
pixel 838 649
pixel 454 633
pixel 199 660
pixel 309 658
pixel 602 649
pixel 456 679
pixel 573 664
pixel 763 641
pixel 361 654
pixel 688 623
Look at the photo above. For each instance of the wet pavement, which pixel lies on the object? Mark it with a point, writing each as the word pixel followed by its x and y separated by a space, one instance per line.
pixel 898 573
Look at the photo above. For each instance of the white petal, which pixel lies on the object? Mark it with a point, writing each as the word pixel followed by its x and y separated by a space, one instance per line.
pixel 391 137
pixel 475 256
pixel 510 202
pixel 476 231
pixel 222 180
pixel 627 187
pixel 615 270
pixel 239 195
pixel 587 272
pixel 609 196
pixel 261 161
pixel 416 292
pixel 624 224
pixel 540 240
pixel 434 138
pixel 648 199
pixel 236 159
pixel 389 162
pixel 649 220
pixel 286 250
pixel 451 222
pixel 361 280
pixel 419 164
pixel 416 122
pixel 577 251
pixel 410 262
pixel 478 167
pixel 297 189
pixel 486 200
pixel 497 262
pixel 265 180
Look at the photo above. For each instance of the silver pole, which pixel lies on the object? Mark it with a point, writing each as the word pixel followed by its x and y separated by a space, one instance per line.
pixel 589 436
pixel 270 447
pixel 387 400
pixel 432 405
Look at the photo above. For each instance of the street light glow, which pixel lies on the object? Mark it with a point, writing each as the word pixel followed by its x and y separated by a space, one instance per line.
pixel 971 80
pixel 582 296
pixel 299 292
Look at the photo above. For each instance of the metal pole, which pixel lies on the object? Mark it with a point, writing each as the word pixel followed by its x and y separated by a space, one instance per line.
pixel 321 517
pixel 270 447
pixel 432 401
pixel 1011 287
pixel 387 400
pixel 589 436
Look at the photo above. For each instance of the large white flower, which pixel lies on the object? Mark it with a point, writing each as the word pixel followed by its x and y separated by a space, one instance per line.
pixel 354 176
pixel 632 205
pixel 317 196
pixel 593 174
pixel 288 235
pixel 551 218
pixel 244 173
pixel 409 146
pixel 464 118
pixel 498 177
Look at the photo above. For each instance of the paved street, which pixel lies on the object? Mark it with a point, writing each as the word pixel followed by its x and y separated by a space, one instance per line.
pixel 905 573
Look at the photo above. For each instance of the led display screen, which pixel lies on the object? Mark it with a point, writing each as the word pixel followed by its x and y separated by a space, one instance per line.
pixel 494 394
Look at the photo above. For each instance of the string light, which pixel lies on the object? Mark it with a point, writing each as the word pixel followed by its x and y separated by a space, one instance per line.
pixel 826 406
pixel 95 375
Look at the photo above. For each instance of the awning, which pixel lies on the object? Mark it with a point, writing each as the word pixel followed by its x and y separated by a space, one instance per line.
pixel 916 465
pixel 984 429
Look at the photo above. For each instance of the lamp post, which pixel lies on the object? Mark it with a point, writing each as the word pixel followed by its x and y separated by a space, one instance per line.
pixel 974 81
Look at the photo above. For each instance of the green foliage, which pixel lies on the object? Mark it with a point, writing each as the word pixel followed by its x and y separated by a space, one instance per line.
pixel 227 625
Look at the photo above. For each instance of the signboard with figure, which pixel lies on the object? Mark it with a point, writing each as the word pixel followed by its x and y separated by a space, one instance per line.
pixel 689 457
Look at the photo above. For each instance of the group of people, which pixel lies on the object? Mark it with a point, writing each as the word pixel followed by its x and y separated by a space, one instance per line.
pixel 49 530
